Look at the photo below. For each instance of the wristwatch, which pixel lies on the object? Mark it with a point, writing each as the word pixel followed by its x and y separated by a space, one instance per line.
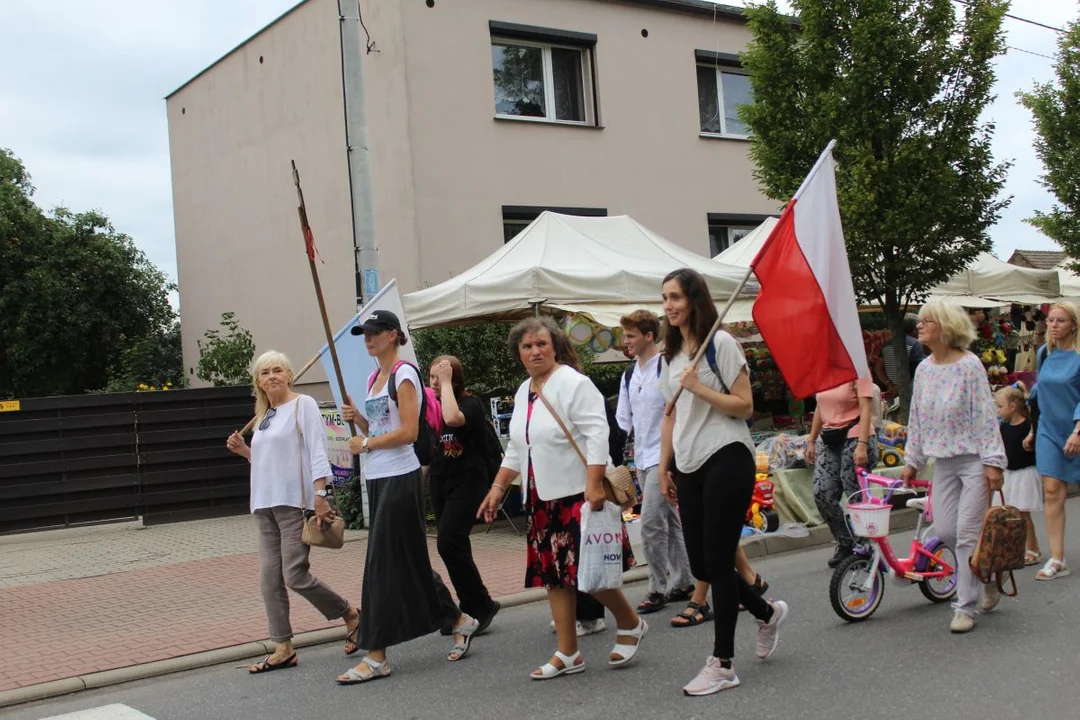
pixel 363 446
pixel 322 493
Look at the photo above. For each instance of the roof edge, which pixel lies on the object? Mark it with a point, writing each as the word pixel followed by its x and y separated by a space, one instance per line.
pixel 244 42
pixel 693 7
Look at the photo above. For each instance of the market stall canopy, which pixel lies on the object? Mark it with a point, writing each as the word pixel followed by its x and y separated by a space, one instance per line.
pixel 992 279
pixel 743 252
pixel 1070 283
pixel 599 266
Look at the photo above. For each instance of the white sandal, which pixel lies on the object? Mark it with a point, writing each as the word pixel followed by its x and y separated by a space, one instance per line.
pixel 1052 570
pixel 375 670
pixel 626 653
pixel 570 666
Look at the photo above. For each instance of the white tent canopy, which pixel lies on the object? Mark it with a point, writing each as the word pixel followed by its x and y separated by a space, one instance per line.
pixel 990 278
pixel 599 266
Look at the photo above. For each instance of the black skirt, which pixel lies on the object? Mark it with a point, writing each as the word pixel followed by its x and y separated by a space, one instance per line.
pixel 399 600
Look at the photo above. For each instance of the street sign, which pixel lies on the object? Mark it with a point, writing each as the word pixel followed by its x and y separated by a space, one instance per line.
pixel 371 282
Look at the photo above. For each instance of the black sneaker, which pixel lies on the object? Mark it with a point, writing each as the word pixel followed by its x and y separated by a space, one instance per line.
pixel 485 623
pixel 842 551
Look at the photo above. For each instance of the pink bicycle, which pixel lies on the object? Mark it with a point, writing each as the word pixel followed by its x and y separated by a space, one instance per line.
pixel 858 583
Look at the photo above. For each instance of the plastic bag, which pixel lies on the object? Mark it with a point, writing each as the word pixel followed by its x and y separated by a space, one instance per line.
pixel 600 554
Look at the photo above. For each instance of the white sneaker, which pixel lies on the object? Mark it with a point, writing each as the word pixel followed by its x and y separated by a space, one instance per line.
pixel 991 596
pixel 768 634
pixel 961 623
pixel 713 678
pixel 588 627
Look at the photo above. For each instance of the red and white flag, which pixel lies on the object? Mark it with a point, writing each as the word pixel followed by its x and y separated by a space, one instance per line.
pixel 806 310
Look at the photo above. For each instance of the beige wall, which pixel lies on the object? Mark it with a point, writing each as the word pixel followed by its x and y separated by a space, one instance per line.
pixel 648 160
pixel 232 132
pixel 442 166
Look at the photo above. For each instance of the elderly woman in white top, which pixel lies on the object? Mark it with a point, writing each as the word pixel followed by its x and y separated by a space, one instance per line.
pixel 559 485
pixel 953 420
pixel 289 474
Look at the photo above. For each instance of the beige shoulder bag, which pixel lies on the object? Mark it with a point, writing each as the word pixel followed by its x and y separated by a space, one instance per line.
pixel 618 483
pixel 315 534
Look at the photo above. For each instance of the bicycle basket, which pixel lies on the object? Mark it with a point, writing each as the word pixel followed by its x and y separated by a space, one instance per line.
pixel 869 520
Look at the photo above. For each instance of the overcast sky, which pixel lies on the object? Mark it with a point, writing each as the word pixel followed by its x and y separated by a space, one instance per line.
pixel 81 102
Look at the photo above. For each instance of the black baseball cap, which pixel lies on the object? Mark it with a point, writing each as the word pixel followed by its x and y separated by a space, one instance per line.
pixel 378 321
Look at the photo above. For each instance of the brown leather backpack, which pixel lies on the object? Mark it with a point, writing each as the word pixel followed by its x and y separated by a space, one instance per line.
pixel 1000 549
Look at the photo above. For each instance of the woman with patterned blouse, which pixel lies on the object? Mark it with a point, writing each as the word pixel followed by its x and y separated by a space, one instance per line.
pixel 953 420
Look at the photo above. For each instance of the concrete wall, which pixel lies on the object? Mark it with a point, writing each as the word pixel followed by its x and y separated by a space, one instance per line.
pixel 648 160
pixel 232 132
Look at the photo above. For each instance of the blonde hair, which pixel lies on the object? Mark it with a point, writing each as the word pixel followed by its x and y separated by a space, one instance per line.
pixel 957 330
pixel 1070 310
pixel 1017 395
pixel 270 358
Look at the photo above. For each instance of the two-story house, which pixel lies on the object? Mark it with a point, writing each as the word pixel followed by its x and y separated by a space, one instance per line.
pixel 428 132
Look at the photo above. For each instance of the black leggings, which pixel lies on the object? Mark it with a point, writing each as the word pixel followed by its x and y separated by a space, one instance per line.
pixel 713 501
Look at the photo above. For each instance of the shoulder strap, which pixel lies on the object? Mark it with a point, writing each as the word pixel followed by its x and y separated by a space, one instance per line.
pixel 563 426
pixel 626 377
pixel 391 383
pixel 710 357
pixel 372 378
pixel 659 364
pixel 1040 357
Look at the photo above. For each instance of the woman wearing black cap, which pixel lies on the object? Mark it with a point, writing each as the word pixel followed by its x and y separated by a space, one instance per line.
pixel 399 599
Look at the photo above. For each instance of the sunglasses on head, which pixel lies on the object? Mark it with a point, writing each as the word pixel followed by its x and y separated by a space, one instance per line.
pixel 266 418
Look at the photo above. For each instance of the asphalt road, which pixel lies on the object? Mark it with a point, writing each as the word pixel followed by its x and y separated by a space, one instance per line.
pixel 1020 662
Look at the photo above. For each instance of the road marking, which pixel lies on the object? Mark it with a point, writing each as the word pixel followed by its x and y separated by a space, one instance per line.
pixel 105 712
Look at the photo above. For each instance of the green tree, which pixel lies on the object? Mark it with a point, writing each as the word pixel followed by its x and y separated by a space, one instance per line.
pixel 75 294
pixel 225 359
pixel 1056 111
pixel 490 369
pixel 156 360
pixel 901 86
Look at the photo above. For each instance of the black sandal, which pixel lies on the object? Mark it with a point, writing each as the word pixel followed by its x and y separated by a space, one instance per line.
pixel 698 614
pixel 267 666
pixel 759 586
pixel 681 594
pixel 652 602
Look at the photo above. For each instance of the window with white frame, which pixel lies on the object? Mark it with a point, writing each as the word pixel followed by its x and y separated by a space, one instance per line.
pixel 542 81
pixel 721 91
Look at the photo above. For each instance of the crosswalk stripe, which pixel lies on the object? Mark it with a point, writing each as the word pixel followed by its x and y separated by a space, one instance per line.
pixel 105 712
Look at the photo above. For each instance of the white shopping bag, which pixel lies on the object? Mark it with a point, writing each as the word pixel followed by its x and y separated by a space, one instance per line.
pixel 600 553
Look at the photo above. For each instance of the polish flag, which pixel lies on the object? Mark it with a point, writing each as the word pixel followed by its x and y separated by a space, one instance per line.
pixel 806 310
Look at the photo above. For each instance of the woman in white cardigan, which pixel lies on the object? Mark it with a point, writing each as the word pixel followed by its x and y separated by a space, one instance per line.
pixel 558 485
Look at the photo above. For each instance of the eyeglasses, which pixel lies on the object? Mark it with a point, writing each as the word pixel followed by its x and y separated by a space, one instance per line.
pixel 266 418
pixel 927 321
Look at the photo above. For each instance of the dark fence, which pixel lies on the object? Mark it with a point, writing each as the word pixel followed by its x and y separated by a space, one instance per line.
pixel 92 458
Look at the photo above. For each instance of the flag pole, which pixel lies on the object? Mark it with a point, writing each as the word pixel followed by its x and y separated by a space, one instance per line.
pixel 716 326
pixel 309 245
pixel 251 423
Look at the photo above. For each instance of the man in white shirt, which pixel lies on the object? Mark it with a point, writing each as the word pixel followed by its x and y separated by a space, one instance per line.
pixel 641 409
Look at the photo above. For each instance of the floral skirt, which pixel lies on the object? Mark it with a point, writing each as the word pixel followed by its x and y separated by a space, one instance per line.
pixel 554 533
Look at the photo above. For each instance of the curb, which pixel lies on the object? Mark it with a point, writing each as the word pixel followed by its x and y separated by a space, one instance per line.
pixel 755 546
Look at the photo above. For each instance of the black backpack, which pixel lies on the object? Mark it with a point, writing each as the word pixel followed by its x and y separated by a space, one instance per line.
pixel 426 436
pixel 493 451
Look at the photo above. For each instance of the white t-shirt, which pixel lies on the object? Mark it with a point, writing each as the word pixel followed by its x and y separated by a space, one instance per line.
pixel 277 454
pixel 700 429
pixel 383 417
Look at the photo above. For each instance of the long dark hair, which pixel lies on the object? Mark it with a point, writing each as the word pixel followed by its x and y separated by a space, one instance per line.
pixel 457 375
pixel 702 311
pixel 564 351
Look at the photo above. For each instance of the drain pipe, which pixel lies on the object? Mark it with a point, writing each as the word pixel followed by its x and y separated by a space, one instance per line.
pixel 358 152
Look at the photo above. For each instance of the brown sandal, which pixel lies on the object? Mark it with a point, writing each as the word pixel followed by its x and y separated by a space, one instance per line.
pixel 694 614
pixel 352 635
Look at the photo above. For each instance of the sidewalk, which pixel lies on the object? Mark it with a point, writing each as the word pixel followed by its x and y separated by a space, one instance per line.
pixel 83 600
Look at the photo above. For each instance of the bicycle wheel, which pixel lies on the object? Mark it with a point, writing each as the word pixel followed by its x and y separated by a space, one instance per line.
pixel 937 590
pixel 849 600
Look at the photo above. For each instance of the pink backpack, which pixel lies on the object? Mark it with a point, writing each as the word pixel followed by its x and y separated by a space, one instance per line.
pixel 431 422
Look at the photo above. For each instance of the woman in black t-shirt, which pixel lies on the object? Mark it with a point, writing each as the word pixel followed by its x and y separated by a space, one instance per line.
pixel 459 481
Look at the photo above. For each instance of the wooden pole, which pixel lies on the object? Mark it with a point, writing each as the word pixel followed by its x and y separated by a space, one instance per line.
pixel 309 246
pixel 716 326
